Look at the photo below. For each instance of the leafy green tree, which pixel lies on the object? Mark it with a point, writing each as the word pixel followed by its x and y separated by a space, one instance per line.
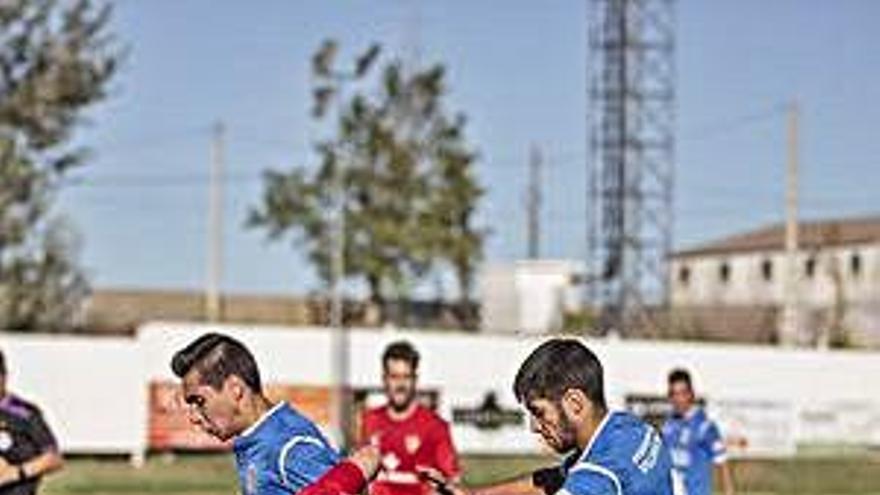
pixel 406 172
pixel 56 59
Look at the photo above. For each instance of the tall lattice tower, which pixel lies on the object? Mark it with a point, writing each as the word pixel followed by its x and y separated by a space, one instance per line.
pixel 631 78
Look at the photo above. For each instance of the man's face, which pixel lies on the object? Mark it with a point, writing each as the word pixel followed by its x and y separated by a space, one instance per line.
pixel 550 421
pixel 214 411
pixel 681 396
pixel 400 383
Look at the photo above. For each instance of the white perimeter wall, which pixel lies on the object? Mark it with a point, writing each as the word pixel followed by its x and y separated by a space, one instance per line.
pixel 90 389
pixel 94 390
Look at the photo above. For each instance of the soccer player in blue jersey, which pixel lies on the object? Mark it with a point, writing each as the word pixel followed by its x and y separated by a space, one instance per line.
pixel 694 440
pixel 277 450
pixel 607 453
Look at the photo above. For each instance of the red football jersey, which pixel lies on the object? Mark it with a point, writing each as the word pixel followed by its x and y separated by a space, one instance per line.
pixel 421 439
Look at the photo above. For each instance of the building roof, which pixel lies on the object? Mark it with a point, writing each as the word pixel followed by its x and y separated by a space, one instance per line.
pixel 811 235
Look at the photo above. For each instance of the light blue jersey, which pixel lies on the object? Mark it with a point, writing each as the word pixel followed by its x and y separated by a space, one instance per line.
pixel 282 453
pixel 696 445
pixel 625 457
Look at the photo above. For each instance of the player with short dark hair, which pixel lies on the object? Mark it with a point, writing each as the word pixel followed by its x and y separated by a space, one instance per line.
pixel 413 440
pixel 561 383
pixel 401 351
pixel 694 440
pixel 28 449
pixel 556 367
pixel 277 450
pixel 216 357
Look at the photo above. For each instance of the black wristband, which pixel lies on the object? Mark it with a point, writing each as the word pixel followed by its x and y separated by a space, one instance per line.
pixel 550 480
pixel 22 475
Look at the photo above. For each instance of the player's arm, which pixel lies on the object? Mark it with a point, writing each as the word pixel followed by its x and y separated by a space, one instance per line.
pixel 34 467
pixel 518 486
pixel 349 477
pixel 547 481
pixel 714 443
pixel 723 471
pixel 442 470
pixel 42 464
pixel 445 457
pixel 48 460
pixel 523 485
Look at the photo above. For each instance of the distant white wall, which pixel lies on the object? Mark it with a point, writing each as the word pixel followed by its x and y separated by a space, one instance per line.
pixel 91 390
pixel 464 367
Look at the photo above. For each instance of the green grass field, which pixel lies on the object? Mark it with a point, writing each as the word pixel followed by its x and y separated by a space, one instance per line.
pixel 214 475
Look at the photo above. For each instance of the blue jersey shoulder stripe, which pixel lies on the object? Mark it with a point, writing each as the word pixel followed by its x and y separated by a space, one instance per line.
pixel 285 450
pixel 595 468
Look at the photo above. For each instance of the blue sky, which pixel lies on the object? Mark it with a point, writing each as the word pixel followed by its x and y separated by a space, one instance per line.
pixel 516 68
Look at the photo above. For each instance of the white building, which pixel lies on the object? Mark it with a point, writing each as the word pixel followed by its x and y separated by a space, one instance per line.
pixel 528 296
pixel 837 277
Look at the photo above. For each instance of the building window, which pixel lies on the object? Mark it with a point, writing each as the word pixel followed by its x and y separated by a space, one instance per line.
pixel 855 264
pixel 684 275
pixel 810 267
pixel 724 272
pixel 767 270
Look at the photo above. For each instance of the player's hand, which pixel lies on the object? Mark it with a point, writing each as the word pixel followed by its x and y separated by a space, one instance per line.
pixel 431 474
pixel 439 482
pixel 8 472
pixel 457 490
pixel 367 459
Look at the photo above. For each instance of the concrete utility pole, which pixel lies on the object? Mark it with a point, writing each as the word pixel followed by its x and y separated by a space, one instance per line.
pixel 534 202
pixel 339 335
pixel 790 335
pixel 213 310
pixel 322 64
pixel 412 42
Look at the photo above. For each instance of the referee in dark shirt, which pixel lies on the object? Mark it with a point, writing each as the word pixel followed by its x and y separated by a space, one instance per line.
pixel 28 449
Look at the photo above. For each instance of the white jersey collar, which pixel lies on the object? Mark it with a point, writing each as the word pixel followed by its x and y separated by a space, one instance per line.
pixel 596 434
pixel 252 428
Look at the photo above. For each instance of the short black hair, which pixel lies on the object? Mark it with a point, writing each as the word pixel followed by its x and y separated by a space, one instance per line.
pixel 403 351
pixel 216 357
pixel 2 363
pixel 680 375
pixel 556 366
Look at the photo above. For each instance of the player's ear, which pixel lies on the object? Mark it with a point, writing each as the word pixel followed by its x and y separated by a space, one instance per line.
pixel 235 387
pixel 575 402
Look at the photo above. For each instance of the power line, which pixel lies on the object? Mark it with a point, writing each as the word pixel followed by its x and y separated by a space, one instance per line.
pixel 726 126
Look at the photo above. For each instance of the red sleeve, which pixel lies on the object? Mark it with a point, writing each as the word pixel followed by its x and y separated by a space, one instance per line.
pixel 445 455
pixel 343 479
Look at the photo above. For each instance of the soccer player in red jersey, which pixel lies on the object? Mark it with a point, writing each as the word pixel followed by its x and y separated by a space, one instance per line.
pixel 414 442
